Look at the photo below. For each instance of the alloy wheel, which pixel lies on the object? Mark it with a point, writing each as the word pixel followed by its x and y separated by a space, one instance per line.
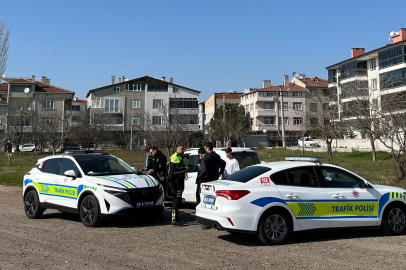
pixel 396 219
pixel 276 227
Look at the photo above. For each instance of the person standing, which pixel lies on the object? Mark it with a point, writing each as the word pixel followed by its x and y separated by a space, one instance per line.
pixel 157 167
pixel 201 153
pixel 219 163
pixel 176 181
pixel 232 164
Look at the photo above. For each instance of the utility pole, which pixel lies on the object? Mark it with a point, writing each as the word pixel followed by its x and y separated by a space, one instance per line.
pixel 283 118
pixel 131 120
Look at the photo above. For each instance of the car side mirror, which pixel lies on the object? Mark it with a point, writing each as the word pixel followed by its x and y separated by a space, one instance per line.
pixel 70 173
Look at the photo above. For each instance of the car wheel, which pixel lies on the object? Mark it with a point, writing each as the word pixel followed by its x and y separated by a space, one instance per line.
pixel 31 205
pixel 90 211
pixel 394 220
pixel 274 228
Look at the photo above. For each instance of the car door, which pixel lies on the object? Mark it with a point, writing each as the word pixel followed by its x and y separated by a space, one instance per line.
pixel 352 203
pixel 189 193
pixel 301 191
pixel 45 180
pixel 66 188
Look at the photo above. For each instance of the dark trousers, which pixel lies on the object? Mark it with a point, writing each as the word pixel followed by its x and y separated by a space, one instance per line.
pixel 176 185
pixel 198 193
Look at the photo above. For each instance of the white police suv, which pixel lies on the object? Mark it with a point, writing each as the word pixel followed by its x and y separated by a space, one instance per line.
pixel 276 198
pixel 91 184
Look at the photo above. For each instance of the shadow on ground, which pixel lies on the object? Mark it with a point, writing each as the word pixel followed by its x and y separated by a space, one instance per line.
pixel 307 236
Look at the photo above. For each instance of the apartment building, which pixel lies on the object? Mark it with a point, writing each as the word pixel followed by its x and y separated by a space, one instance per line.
pixel 216 100
pixel 145 101
pixel 296 98
pixel 25 98
pixel 379 74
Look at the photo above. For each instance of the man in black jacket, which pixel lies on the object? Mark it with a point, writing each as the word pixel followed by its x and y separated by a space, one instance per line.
pixel 157 167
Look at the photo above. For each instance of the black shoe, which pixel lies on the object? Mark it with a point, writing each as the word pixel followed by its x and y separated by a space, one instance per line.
pixel 204 227
pixel 178 223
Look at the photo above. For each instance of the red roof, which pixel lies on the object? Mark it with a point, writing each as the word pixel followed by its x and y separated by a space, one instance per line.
pixel 79 100
pixel 43 87
pixel 4 87
pixel 312 82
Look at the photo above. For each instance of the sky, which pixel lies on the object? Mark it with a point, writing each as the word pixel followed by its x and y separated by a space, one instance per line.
pixel 207 45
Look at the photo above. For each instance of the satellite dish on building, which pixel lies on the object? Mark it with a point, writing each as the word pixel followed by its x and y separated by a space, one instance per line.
pixel 392 33
pixel 264 131
pixel 26 90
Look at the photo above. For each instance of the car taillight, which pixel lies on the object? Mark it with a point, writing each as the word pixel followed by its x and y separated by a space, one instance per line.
pixel 232 194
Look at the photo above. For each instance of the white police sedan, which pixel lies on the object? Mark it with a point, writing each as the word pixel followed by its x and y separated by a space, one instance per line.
pixel 301 193
pixel 92 185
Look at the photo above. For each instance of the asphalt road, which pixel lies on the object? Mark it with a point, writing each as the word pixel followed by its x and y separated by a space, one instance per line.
pixel 60 241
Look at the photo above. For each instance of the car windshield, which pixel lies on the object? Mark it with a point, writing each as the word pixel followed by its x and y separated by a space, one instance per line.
pixel 103 165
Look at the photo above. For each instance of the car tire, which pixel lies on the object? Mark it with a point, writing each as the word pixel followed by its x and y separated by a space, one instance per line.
pixel 32 206
pixel 394 219
pixel 274 227
pixel 90 211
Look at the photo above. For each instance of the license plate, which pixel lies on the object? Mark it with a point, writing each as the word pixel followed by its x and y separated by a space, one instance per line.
pixel 144 204
pixel 209 200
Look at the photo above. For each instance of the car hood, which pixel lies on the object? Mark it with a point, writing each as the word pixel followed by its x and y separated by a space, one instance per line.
pixel 383 189
pixel 126 181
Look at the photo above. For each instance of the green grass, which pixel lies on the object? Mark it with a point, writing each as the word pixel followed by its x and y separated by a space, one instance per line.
pixel 379 172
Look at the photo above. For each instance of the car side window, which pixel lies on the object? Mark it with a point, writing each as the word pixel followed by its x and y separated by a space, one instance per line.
pixel 280 178
pixel 336 178
pixel 303 177
pixel 67 165
pixel 52 166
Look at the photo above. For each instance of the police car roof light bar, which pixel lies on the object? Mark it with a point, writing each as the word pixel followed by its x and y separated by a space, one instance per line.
pixel 311 159
pixel 71 152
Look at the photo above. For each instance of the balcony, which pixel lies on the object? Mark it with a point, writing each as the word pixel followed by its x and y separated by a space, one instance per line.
pixel 264 112
pixel 268 98
pixel 260 127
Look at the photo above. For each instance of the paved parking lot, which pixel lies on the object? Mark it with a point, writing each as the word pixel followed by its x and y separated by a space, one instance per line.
pixel 61 241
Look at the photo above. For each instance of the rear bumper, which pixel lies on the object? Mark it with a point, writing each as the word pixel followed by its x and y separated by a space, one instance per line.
pixel 216 225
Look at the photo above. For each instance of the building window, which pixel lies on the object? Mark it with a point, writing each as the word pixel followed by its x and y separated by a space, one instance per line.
pixel 372 64
pixel 135 104
pixel 157 104
pixel 286 121
pixel 325 106
pixel 325 92
pixel 157 88
pixel 296 94
pixel 116 89
pixel 135 87
pixel 111 105
pixel 135 120
pixel 313 107
pixel 285 94
pixel 297 121
pixel 247 108
pixel 48 104
pixel 176 90
pixel 183 103
pixel 115 120
pixel 76 108
pixel 48 95
pixel 392 79
pixel 285 106
pixel 96 102
pixel 297 106
pixel 312 92
pixel 269 106
pixel 374 84
pixel 157 120
pixel 269 121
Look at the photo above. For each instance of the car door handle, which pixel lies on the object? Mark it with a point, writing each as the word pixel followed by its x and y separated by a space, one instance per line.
pixel 338 196
pixel 292 196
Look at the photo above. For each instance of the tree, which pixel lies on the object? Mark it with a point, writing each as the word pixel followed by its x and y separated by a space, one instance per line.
pixel 229 123
pixel 4 45
pixel 88 129
pixel 53 127
pixel 323 120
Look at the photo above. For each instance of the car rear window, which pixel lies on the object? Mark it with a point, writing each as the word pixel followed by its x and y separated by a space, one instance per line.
pixel 247 174
pixel 246 159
